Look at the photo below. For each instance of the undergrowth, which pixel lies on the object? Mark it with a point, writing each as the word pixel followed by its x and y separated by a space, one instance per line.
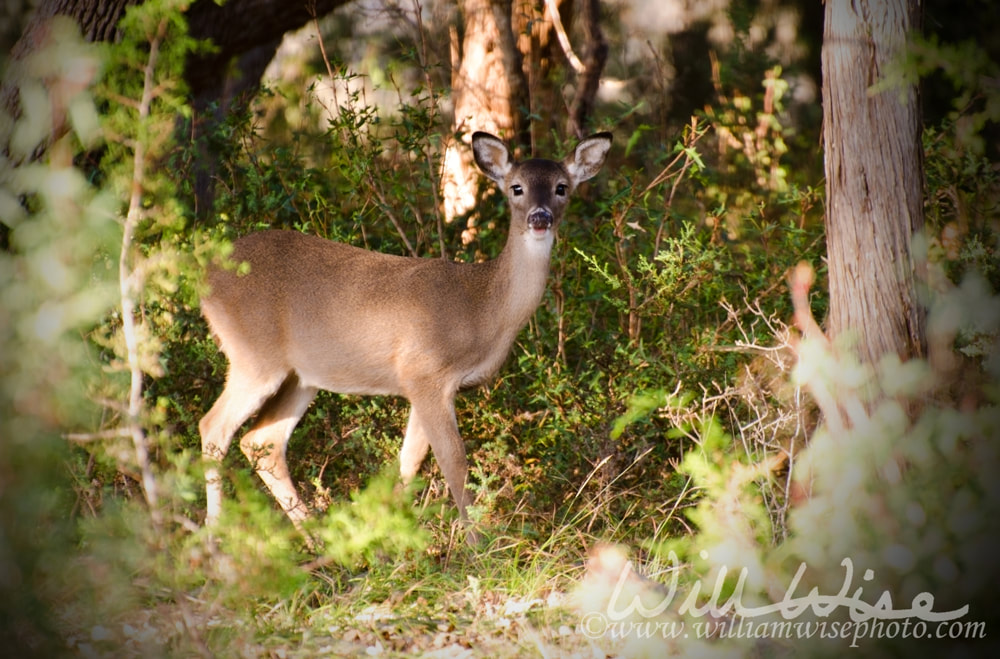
pixel 658 399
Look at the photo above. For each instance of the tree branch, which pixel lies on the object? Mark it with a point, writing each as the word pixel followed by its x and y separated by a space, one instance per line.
pixel 129 288
pixel 563 38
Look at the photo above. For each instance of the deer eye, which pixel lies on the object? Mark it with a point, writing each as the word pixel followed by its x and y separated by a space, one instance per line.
pixel 517 190
pixel 561 189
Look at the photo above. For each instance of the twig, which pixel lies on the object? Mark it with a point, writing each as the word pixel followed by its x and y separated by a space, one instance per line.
pixel 85 437
pixel 692 137
pixel 386 208
pixel 133 417
pixel 589 80
pixel 567 47
pixel 800 281
pixel 434 176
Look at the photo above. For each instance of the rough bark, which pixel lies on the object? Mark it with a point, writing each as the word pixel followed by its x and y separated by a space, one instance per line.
pixel 488 88
pixel 98 20
pixel 874 177
pixel 246 34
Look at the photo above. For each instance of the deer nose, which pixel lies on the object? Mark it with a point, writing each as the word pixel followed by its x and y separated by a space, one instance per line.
pixel 540 219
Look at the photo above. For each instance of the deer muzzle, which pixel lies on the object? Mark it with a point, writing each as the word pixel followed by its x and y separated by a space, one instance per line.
pixel 540 220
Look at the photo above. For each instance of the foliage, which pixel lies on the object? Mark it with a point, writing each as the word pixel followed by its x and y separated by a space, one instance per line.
pixel 962 185
pixel 879 510
pixel 378 524
pixel 650 402
pixel 57 278
pixel 915 479
pixel 893 515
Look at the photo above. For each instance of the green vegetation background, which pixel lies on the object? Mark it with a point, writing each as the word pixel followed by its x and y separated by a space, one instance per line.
pixel 644 405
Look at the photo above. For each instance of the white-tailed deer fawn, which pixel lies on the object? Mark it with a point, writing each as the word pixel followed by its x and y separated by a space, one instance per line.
pixel 314 314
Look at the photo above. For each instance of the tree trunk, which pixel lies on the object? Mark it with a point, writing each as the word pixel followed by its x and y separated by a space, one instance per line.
pixel 488 88
pixel 97 23
pixel 874 176
pixel 502 72
pixel 544 42
pixel 246 34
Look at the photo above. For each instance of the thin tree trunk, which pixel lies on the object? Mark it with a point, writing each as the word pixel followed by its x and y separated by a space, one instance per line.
pixel 874 177
pixel 246 35
pixel 589 79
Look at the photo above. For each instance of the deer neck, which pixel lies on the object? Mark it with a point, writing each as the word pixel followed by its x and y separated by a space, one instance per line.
pixel 519 276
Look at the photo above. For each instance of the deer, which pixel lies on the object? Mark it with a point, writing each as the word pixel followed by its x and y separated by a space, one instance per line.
pixel 315 314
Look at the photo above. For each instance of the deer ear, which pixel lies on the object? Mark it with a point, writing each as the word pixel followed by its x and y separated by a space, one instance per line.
pixel 491 156
pixel 588 157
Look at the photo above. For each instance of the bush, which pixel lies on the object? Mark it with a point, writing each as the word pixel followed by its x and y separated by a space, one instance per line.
pixel 650 401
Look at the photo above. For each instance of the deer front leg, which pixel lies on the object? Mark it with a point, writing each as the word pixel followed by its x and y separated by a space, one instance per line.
pixel 433 417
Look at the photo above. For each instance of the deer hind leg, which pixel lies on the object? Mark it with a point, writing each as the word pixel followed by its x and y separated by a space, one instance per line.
pixel 433 416
pixel 414 450
pixel 243 395
pixel 265 444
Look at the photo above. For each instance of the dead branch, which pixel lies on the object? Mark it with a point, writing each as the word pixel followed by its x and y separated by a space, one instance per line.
pixel 130 288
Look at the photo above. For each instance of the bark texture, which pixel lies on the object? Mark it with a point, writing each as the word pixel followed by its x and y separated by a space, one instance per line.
pixel 488 88
pixel 246 34
pixel 98 20
pixel 874 177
